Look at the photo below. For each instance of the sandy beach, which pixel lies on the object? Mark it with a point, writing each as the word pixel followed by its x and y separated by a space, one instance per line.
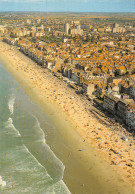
pixel 105 139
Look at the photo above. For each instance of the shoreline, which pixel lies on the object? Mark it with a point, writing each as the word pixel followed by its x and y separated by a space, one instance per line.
pixel 106 142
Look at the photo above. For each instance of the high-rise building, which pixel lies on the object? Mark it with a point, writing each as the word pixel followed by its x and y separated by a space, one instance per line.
pixel 66 28
pixel 73 29
pixel 116 25
pixel 76 30
pixel 118 29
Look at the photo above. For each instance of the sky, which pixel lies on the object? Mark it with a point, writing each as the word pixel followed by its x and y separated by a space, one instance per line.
pixel 68 5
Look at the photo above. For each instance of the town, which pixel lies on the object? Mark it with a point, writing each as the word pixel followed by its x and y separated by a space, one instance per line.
pixel 92 53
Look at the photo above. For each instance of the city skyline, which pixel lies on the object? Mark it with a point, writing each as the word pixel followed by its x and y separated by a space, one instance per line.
pixel 68 6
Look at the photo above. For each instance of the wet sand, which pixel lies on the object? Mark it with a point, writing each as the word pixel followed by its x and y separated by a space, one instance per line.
pixel 86 170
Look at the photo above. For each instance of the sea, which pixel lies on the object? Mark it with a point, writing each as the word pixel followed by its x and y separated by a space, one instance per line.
pixel 27 163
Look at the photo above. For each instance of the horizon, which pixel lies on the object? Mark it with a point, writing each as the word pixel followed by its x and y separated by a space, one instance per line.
pixel 73 6
pixel 98 12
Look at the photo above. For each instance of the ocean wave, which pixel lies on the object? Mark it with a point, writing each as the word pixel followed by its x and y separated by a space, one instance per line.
pixel 11 103
pixel 9 124
pixel 61 187
pixel 41 130
pixel 2 183
pixel 33 157
pixel 50 157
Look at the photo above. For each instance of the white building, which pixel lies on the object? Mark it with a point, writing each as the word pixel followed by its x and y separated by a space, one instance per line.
pixel 76 30
pixel 66 28
pixel 2 29
pixel 118 29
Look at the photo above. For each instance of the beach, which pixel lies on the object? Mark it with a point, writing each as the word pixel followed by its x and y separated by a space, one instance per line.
pixel 105 140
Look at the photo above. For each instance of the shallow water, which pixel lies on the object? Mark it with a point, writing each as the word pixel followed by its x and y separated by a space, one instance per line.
pixel 27 164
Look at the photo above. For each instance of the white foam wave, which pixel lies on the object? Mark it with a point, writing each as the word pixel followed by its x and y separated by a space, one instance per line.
pixel 61 187
pixel 10 124
pixel 33 156
pixel 44 141
pixel 56 160
pixel 2 183
pixel 42 132
pixel 11 104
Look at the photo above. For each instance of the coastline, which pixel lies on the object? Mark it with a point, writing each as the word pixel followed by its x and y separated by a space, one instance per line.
pixel 50 89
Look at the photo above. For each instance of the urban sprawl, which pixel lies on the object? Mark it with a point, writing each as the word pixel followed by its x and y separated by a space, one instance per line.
pixel 93 54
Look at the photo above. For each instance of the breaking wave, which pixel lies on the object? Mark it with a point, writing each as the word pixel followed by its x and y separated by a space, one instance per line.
pixel 51 158
pixel 11 104
pixel 2 183
pixel 9 124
